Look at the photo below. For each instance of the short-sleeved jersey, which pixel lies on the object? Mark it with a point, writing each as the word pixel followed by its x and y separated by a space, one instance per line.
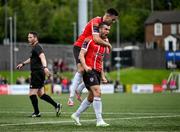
pixel 36 63
pixel 91 28
pixel 94 53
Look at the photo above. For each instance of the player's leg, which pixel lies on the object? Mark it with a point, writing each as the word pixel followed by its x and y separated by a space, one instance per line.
pixel 48 99
pixel 34 101
pixel 83 107
pixel 79 91
pixel 78 76
pixel 34 85
pixel 39 78
pixel 97 105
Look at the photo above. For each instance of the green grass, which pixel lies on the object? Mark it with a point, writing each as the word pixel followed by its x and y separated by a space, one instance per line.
pixel 127 76
pixel 124 112
pixel 140 76
pixel 16 74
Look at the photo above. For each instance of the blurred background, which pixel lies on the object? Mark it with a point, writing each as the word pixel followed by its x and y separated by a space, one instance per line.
pixel 145 39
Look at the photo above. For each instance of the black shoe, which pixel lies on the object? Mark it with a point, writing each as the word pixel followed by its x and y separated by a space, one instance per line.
pixel 35 115
pixel 58 109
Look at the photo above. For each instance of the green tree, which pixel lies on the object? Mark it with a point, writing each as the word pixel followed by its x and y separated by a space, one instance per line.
pixel 53 19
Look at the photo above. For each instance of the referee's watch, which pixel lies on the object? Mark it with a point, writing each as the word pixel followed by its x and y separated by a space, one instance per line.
pixel 23 64
pixel 44 67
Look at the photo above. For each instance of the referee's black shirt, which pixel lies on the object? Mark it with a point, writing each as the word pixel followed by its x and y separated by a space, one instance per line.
pixel 36 63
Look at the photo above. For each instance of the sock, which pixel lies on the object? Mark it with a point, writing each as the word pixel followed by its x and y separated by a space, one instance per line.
pixel 34 102
pixel 84 105
pixel 76 81
pixel 97 105
pixel 48 99
pixel 80 88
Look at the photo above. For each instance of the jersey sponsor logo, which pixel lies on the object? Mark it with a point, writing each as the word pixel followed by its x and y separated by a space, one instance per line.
pixel 91 79
pixel 99 54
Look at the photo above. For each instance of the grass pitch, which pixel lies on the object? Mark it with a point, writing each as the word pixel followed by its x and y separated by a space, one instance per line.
pixel 124 112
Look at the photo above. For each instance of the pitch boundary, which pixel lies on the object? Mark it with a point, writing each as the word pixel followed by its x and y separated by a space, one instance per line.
pixel 89 113
pixel 93 120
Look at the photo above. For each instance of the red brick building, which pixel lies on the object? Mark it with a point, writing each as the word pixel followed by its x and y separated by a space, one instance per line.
pixel 162 30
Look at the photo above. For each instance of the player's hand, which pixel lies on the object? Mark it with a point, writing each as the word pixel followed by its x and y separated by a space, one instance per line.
pixel 104 80
pixel 110 47
pixel 88 69
pixel 19 66
pixel 47 72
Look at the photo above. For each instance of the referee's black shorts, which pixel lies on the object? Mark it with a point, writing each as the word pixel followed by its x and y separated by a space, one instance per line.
pixel 76 51
pixel 37 79
pixel 91 78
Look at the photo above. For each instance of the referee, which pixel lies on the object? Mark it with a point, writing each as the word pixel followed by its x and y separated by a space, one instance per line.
pixel 38 65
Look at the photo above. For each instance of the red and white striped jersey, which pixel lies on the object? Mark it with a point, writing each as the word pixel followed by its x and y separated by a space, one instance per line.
pixel 94 53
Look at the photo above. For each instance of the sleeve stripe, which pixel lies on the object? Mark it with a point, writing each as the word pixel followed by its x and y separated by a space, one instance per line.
pixel 87 46
pixel 89 43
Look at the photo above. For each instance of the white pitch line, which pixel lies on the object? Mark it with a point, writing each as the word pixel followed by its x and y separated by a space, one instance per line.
pixel 70 121
pixel 106 113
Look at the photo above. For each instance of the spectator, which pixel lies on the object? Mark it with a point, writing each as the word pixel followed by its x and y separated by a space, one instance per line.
pixel 61 65
pixel 55 66
pixel 3 80
pixel 65 85
pixel 20 80
pixel 28 80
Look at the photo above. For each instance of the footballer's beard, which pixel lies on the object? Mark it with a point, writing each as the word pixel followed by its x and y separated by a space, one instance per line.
pixel 32 43
pixel 104 36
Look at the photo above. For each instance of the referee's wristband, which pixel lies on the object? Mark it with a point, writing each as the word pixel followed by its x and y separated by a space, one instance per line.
pixel 44 67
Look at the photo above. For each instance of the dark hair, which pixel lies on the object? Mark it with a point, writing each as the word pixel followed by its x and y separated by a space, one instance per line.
pixel 112 11
pixel 102 24
pixel 35 34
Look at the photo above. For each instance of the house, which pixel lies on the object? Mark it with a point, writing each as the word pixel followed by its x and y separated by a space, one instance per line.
pixel 162 30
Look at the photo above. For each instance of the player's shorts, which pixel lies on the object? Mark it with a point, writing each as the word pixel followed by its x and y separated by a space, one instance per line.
pixel 76 51
pixel 37 79
pixel 91 78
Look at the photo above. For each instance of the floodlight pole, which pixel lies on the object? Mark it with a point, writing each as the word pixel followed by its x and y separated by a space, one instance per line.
pixel 15 37
pixel 82 15
pixel 118 52
pixel 152 5
pixel 74 31
pixel 5 20
pixel 11 52
pixel 91 9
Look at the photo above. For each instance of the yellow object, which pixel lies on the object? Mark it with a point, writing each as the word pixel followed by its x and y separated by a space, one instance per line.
pixel 128 88
pixel 48 89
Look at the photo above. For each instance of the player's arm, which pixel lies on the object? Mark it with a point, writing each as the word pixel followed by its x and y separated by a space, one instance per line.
pixel 19 66
pixel 103 77
pixel 100 41
pixel 84 49
pixel 44 63
pixel 82 59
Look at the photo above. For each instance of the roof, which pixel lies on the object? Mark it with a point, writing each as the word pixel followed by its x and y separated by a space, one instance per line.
pixel 164 17
pixel 176 36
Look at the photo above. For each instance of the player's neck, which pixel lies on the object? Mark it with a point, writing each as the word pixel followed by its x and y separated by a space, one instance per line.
pixel 36 42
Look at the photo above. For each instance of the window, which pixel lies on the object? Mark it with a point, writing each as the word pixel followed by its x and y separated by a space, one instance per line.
pixel 173 29
pixel 179 28
pixel 158 29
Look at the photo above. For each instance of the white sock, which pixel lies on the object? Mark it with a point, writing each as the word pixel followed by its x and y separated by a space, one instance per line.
pixel 76 81
pixel 97 105
pixel 80 88
pixel 84 105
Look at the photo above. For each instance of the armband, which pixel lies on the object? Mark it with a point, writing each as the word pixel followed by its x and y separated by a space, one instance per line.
pixel 23 64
